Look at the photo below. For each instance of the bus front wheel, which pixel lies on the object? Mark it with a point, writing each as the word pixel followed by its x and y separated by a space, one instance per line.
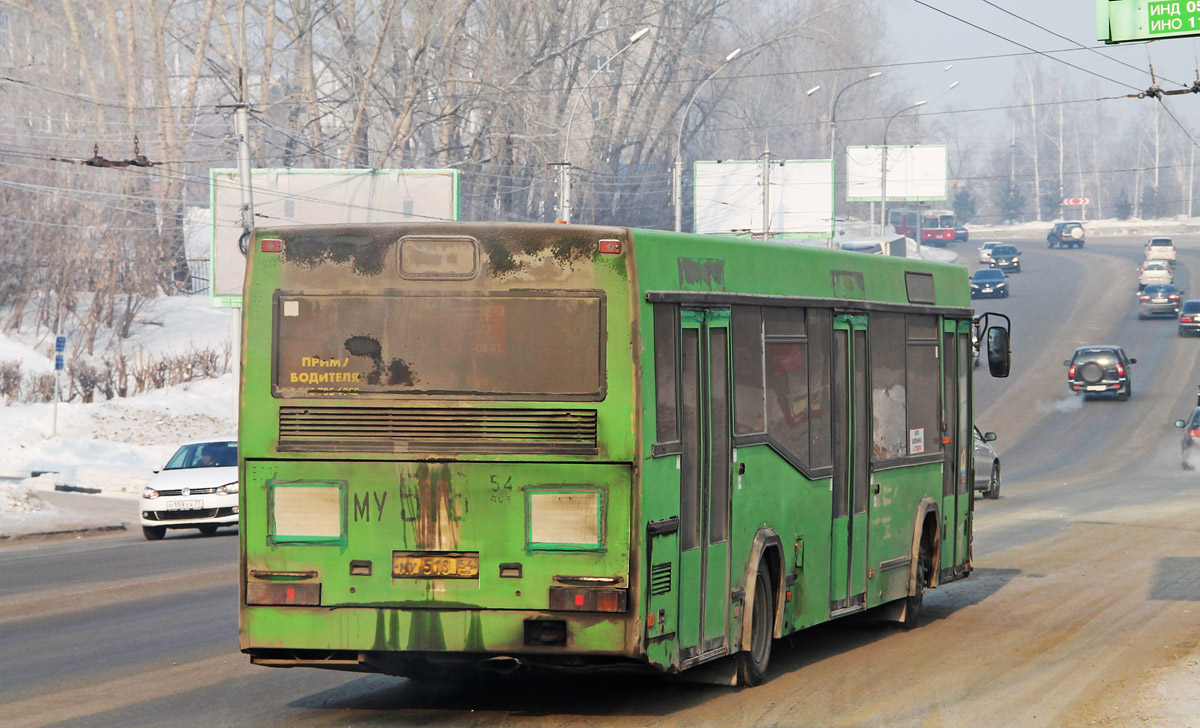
pixel 752 661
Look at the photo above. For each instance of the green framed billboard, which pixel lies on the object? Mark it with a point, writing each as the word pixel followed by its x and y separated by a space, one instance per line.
pixel 1124 21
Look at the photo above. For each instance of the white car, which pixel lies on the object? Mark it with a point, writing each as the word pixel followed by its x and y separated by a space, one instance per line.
pixel 197 488
pixel 985 251
pixel 1154 271
pixel 1160 249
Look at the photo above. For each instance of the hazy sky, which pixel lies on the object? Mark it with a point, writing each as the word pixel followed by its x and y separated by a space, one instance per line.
pixel 922 33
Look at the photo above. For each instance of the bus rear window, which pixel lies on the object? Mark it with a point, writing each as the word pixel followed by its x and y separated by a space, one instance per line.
pixel 522 345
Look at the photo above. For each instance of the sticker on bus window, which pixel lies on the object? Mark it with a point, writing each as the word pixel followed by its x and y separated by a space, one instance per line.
pixel 916 441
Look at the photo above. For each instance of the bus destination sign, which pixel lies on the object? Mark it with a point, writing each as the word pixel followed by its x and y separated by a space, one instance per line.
pixel 1121 21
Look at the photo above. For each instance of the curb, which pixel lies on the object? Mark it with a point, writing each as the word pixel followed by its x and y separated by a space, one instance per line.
pixel 90 531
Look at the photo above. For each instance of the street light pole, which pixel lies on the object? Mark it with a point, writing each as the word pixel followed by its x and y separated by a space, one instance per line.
pixel 677 181
pixel 833 135
pixel 766 170
pixel 564 167
pixel 883 169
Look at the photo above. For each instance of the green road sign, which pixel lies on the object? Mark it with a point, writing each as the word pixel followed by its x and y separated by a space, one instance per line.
pixel 1121 21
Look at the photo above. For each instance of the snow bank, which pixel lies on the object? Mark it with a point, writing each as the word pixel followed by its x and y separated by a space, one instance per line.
pixel 112 446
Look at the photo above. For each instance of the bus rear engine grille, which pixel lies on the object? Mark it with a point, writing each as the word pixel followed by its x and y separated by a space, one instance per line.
pixel 416 429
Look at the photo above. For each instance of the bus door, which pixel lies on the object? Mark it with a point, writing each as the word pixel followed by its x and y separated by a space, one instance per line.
pixel 851 472
pixel 704 482
pixel 958 493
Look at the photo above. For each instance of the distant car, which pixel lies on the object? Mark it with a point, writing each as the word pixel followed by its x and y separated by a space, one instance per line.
pixel 1007 258
pixel 1191 439
pixel 1189 317
pixel 989 283
pixel 1160 249
pixel 1067 234
pixel 1101 369
pixel 197 488
pixel 1161 299
pixel 961 234
pixel 987 465
pixel 863 247
pixel 985 251
pixel 1154 272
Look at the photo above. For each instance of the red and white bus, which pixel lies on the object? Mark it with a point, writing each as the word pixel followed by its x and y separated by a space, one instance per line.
pixel 936 226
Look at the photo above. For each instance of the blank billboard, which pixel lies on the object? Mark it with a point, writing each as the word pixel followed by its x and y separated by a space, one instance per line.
pixel 729 197
pixel 913 173
pixel 318 196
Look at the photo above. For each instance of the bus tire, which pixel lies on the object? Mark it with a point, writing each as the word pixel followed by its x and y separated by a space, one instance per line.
pixel 913 602
pixel 752 661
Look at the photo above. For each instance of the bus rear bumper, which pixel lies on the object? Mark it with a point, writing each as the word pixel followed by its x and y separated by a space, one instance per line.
pixel 407 641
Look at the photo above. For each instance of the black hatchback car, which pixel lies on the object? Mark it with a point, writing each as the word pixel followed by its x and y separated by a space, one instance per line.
pixel 1100 370
pixel 989 283
pixel 1006 257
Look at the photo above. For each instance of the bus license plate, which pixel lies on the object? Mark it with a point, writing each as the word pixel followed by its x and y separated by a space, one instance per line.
pixel 427 565
pixel 188 505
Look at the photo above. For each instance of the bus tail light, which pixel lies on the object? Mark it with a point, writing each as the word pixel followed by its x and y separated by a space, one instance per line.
pixel 611 247
pixel 283 594
pixel 272 245
pixel 588 599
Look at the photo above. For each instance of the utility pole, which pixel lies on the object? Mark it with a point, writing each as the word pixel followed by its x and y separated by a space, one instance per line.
pixel 242 122
pixel 766 191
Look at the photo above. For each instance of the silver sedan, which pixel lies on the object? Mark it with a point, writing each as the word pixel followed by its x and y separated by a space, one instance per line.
pixel 987 465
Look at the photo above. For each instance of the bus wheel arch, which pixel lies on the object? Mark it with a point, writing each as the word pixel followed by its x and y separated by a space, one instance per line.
pixel 765 566
pixel 927 533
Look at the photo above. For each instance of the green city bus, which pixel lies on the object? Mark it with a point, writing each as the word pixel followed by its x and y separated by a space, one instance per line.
pixel 560 446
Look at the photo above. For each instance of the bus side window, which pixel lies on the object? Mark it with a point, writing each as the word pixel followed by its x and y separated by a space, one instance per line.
pixel 888 402
pixel 820 344
pixel 748 395
pixel 666 330
pixel 786 349
pixel 921 378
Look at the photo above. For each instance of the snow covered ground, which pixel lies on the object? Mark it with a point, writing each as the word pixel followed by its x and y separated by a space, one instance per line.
pixel 111 446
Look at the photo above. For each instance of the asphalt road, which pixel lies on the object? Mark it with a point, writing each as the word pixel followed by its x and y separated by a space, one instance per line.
pixel 1085 597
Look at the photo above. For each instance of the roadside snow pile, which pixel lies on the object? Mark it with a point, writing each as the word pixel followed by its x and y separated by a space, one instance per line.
pixel 16 498
pixel 112 446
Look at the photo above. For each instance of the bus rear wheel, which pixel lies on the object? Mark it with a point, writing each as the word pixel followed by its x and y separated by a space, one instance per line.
pixel 752 662
pixel 914 602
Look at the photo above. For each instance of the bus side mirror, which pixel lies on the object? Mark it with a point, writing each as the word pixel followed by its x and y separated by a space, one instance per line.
pixel 999 356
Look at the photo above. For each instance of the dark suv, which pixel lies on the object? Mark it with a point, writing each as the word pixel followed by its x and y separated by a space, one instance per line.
pixel 1066 235
pixel 1100 370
